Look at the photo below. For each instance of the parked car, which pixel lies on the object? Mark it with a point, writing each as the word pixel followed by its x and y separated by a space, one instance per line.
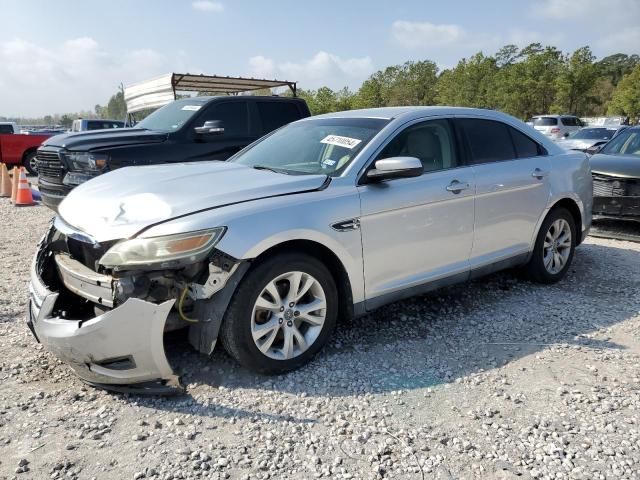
pixel 590 139
pixel 556 126
pixel 326 218
pixel 616 177
pixel 84 125
pixel 19 149
pixel 8 128
pixel 198 128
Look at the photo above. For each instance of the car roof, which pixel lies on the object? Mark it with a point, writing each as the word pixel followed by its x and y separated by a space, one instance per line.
pixel 211 98
pixel 554 116
pixel 389 113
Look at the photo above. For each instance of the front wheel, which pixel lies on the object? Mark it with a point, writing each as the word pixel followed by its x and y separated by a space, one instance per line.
pixel 281 315
pixel 554 247
pixel 31 163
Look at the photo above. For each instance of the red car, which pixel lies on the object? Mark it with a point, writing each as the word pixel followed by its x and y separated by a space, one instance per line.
pixel 17 149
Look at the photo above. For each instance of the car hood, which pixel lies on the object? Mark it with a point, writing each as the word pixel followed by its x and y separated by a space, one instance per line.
pixel 121 203
pixel 616 165
pixel 578 143
pixel 115 137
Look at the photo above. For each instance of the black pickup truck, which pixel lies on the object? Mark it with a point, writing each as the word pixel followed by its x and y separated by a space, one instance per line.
pixel 190 129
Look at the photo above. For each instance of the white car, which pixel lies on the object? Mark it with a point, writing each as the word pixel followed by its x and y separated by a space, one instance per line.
pixel 556 126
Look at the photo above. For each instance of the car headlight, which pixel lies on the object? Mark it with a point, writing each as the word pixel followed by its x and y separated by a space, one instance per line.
pixel 163 251
pixel 87 161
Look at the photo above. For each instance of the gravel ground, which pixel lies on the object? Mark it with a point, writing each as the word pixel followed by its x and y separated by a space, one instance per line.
pixel 499 379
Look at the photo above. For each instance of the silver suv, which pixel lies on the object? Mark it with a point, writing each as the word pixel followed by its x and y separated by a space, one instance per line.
pixel 556 126
pixel 326 218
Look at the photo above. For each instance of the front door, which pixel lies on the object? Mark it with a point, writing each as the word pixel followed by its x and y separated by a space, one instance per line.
pixel 416 230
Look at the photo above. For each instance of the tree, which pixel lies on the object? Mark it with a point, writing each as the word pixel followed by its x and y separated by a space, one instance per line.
pixel 412 83
pixel 66 120
pixel 575 83
pixel 528 86
pixel 116 107
pixel 616 66
pixel 626 98
pixel 471 83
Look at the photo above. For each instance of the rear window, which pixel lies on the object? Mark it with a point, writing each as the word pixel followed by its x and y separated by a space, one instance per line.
pixel 488 141
pixel 594 133
pixel 276 114
pixel 525 147
pixel 99 125
pixel 544 121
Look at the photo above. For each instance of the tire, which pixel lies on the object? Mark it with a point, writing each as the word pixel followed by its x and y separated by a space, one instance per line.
pixel 558 249
pixel 294 327
pixel 30 163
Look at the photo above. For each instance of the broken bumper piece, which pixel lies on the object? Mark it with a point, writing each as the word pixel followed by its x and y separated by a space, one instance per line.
pixel 120 350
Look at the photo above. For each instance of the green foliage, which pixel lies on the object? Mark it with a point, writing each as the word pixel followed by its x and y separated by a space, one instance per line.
pixel 469 84
pixel 626 98
pixel 575 82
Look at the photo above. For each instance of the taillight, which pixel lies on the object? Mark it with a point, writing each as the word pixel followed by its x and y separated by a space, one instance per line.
pixel 555 130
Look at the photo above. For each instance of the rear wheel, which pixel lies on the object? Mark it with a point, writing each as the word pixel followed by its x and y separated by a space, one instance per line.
pixel 31 164
pixel 554 247
pixel 281 315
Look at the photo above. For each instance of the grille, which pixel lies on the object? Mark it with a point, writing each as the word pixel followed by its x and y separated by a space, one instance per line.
pixel 49 164
pixel 604 186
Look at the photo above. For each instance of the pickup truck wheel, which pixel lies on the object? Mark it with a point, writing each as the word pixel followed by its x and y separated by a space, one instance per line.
pixel 281 315
pixel 554 248
pixel 31 164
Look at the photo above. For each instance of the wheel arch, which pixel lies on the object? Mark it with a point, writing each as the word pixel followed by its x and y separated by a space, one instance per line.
pixel 329 259
pixel 574 209
pixel 26 153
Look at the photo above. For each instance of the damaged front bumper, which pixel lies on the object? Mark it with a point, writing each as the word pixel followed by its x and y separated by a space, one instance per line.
pixel 122 346
pixel 109 327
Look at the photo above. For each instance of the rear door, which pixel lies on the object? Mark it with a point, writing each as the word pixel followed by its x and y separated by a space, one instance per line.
pixel 512 188
pixel 273 114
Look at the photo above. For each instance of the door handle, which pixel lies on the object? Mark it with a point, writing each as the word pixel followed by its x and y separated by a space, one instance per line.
pixel 539 174
pixel 456 186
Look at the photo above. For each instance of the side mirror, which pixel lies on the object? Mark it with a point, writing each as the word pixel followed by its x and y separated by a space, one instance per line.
pixel 566 135
pixel 395 167
pixel 594 149
pixel 210 127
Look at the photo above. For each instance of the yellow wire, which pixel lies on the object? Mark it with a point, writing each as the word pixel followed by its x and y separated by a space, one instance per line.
pixel 180 302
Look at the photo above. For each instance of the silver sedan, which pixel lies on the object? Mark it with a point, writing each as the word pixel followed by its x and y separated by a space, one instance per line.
pixel 324 219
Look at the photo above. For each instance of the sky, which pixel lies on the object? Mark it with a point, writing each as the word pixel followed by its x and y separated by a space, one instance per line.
pixel 69 55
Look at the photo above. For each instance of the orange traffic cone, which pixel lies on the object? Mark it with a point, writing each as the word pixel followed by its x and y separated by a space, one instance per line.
pixel 14 183
pixel 5 181
pixel 24 198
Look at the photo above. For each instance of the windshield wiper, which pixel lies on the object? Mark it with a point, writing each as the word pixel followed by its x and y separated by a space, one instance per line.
pixel 263 167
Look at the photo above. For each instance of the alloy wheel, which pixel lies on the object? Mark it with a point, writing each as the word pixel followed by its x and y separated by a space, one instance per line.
pixel 288 315
pixel 557 246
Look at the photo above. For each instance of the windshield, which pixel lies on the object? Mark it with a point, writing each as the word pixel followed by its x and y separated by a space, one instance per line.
pixel 594 134
pixel 171 117
pixel 544 121
pixel 323 146
pixel 626 143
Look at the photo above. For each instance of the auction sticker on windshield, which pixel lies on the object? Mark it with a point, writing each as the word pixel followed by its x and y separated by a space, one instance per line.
pixel 345 142
pixel 191 108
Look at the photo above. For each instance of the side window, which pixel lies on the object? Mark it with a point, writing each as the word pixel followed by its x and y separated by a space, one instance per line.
pixel 234 117
pixel 276 114
pixel 488 141
pixel 432 142
pixel 525 147
pixel 6 128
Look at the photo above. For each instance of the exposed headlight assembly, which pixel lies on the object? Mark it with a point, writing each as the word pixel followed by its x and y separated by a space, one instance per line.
pixel 87 161
pixel 168 250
